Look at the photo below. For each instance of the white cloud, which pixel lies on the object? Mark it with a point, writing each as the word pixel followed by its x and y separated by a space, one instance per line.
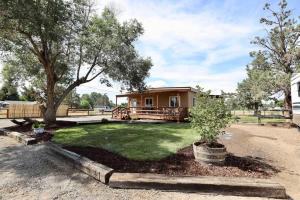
pixel 174 37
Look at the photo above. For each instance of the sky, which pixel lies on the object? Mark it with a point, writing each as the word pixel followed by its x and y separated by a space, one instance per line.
pixel 192 42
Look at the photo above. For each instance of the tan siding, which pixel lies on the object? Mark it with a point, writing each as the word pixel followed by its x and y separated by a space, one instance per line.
pixel 163 99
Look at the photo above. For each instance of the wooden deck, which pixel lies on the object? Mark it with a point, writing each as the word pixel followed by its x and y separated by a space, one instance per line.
pixel 160 113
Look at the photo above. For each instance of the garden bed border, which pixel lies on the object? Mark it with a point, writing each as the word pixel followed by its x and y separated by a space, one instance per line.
pixel 196 184
pixel 98 171
pixel 20 137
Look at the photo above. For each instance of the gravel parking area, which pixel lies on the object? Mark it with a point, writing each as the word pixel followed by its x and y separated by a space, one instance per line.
pixel 27 172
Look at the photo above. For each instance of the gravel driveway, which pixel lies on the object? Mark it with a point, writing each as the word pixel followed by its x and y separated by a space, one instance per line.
pixel 27 172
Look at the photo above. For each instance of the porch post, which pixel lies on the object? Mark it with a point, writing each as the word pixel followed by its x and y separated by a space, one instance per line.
pixel 156 101
pixel 141 101
pixel 179 101
pixel 116 101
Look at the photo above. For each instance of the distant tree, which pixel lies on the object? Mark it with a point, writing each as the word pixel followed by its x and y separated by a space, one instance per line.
pixel 72 99
pixel 9 89
pixel 231 100
pixel 87 98
pixel 125 105
pixel 62 44
pixel 280 49
pixel 28 94
pixel 85 104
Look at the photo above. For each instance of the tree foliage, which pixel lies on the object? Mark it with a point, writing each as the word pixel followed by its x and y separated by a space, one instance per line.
pixel 62 44
pixel 9 89
pixel 280 51
pixel 209 115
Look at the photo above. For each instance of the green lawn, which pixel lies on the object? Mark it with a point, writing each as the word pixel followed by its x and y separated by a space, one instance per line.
pixel 134 141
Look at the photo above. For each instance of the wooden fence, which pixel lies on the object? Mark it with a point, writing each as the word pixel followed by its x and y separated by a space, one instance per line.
pixel 30 110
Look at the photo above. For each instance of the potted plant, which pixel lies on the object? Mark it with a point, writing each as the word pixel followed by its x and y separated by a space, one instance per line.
pixel 38 127
pixel 209 116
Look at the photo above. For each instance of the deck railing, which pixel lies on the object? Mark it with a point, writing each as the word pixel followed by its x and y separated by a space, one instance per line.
pixel 163 112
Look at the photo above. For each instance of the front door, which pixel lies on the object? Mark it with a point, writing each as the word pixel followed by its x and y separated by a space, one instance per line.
pixel 133 105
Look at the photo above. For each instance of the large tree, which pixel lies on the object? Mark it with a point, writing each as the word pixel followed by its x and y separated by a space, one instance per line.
pixel 258 85
pixel 280 49
pixel 62 44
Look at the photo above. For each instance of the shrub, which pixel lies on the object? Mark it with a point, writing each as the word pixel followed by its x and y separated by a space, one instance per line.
pixel 38 125
pixel 209 115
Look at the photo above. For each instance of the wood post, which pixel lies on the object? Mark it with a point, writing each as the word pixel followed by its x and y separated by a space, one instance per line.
pixel 116 101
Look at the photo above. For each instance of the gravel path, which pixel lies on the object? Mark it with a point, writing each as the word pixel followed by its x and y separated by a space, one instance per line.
pixel 26 172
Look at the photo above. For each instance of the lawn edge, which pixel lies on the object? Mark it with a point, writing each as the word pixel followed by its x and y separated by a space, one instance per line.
pixel 197 184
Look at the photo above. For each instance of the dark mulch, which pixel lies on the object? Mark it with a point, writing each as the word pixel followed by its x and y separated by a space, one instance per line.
pixel 47 135
pixel 182 163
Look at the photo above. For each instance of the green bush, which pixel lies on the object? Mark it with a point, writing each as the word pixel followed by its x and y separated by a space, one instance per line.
pixel 209 115
pixel 38 125
pixel 84 104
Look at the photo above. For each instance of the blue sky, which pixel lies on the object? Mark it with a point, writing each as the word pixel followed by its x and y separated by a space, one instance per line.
pixel 193 42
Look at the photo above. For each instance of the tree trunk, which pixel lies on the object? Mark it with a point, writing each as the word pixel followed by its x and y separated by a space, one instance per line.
pixel 49 112
pixel 288 101
pixel 50 115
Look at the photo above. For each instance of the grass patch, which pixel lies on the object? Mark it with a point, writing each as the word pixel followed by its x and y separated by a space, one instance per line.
pixel 134 141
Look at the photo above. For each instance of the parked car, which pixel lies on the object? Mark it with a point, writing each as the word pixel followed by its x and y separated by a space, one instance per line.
pixel 103 108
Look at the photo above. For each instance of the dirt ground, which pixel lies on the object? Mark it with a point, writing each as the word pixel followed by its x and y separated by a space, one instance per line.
pixel 279 147
pixel 27 172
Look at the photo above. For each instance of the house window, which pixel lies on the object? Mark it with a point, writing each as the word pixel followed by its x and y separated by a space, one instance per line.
pixel 148 102
pixel 173 101
pixel 194 101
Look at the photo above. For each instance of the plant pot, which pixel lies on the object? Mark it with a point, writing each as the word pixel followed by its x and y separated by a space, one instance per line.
pixel 209 155
pixel 38 130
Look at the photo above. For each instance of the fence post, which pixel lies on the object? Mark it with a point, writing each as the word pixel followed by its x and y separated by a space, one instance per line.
pixel 258 116
pixel 7 113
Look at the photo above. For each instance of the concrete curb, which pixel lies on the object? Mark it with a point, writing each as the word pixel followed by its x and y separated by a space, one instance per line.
pixel 98 171
pixel 216 185
pixel 19 137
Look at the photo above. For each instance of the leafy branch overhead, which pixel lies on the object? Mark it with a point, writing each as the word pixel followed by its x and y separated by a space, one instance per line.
pixel 63 44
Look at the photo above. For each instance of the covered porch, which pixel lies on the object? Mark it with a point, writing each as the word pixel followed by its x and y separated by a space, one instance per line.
pixel 162 105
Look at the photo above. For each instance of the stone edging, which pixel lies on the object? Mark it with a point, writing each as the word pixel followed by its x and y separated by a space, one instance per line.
pixel 18 136
pixel 98 171
pixel 201 184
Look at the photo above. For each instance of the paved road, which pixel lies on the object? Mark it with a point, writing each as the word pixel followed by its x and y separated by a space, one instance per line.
pixel 27 172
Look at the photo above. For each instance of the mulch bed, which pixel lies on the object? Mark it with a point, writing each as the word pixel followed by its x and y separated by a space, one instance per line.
pixel 46 136
pixel 180 164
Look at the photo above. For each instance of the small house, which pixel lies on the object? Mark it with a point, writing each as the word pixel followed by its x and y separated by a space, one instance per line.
pixel 165 103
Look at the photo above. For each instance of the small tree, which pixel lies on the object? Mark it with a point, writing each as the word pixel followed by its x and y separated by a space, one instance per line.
pixel 209 116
